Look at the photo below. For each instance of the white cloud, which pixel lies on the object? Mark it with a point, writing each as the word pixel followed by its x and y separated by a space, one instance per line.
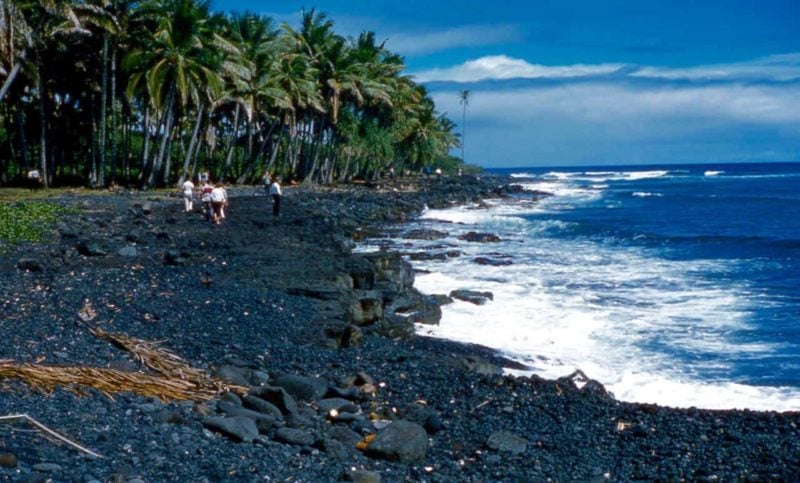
pixel 426 42
pixel 611 114
pixel 504 67
pixel 783 67
pixel 607 103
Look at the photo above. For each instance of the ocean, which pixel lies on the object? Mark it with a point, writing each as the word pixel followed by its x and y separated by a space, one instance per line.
pixel 675 285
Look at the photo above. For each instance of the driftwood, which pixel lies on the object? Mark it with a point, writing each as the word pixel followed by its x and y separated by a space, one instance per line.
pixel 50 432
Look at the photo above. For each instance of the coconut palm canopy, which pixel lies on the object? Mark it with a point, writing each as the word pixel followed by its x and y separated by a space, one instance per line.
pixel 152 92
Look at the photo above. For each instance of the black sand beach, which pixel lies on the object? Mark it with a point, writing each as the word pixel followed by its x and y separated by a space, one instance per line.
pixel 332 384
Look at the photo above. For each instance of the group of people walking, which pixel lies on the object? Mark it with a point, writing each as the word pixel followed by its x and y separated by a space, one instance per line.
pixel 215 198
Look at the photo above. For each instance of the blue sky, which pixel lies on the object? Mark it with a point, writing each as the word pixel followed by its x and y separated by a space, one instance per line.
pixel 569 82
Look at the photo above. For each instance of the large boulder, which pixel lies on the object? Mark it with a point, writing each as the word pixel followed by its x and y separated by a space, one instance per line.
pixel 399 441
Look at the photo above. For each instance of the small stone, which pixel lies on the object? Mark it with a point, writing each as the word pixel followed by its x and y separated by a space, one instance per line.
pixel 29 265
pixel 128 251
pixel 359 476
pixel 8 460
pixel 47 467
pixel 507 442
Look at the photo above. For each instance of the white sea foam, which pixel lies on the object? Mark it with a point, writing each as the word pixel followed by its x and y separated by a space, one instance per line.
pixel 713 173
pixel 645 194
pixel 630 320
pixel 603 176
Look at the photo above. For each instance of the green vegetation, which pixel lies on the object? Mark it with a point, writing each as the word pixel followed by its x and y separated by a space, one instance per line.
pixel 150 92
pixel 27 221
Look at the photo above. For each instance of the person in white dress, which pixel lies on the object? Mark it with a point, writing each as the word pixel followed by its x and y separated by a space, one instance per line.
pixel 188 195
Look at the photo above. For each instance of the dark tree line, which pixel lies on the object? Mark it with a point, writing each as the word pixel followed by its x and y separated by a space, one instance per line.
pixel 150 92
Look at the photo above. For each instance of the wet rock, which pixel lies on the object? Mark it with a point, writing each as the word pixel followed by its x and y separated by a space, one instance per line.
pixel 479 237
pixel 422 256
pixel 442 299
pixel 491 261
pixel 399 441
pixel 472 296
pixel 423 234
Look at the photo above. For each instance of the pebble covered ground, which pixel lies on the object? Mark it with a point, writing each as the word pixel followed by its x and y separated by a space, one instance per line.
pixel 262 303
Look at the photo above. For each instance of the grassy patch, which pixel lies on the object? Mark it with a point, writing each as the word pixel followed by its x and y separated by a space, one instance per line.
pixel 27 221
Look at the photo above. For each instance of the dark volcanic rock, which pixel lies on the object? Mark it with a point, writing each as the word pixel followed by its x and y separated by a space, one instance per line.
pixel 472 296
pixel 479 237
pixel 401 440
pixel 91 249
pixel 237 428
pixel 294 436
pixel 423 234
pixel 29 265
pixel 303 388
pixel 508 442
pixel 491 261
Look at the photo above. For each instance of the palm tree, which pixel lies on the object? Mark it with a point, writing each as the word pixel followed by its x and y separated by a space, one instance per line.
pixel 463 97
pixel 178 66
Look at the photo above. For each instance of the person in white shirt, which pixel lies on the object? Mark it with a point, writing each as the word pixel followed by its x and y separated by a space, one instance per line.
pixel 275 191
pixel 188 195
pixel 219 197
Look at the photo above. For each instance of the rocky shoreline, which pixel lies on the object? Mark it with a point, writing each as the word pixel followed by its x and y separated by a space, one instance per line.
pixel 332 384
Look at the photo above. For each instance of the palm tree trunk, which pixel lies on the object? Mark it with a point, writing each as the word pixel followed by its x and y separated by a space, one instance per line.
pixel 144 171
pixel 114 133
pixel 195 134
pixel 23 143
pixel 42 129
pixel 231 144
pixel 165 135
pixel 10 79
pixel 103 103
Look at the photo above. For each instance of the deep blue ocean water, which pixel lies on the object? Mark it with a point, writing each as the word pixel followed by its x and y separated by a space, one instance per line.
pixel 678 285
